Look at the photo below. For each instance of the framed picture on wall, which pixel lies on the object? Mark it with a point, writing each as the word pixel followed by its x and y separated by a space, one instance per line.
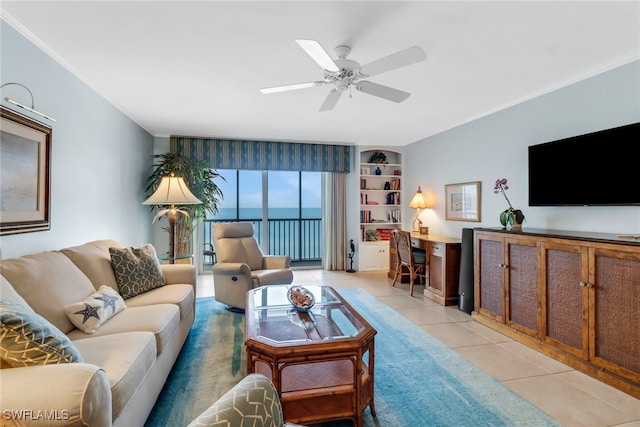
pixel 25 152
pixel 462 201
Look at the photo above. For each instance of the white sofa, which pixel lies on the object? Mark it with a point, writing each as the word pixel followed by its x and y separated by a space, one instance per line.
pixel 125 363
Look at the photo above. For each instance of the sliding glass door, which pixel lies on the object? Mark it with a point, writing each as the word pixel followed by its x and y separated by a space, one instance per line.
pixel 284 206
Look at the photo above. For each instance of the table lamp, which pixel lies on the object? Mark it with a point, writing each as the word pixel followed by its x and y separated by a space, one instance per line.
pixel 418 202
pixel 172 191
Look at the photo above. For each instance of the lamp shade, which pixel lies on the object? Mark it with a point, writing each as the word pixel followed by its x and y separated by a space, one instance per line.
pixel 418 201
pixel 172 191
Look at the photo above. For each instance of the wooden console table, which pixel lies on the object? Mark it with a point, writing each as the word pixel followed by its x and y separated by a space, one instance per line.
pixel 443 266
pixel 573 296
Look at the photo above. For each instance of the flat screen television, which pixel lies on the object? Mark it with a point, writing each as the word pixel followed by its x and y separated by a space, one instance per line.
pixel 595 169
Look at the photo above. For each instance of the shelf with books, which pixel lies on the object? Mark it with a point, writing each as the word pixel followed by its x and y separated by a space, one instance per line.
pixel 380 206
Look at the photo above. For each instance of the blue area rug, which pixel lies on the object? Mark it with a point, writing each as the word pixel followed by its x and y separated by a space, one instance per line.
pixel 418 380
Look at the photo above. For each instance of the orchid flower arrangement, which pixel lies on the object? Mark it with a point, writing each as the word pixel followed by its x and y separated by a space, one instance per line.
pixel 510 215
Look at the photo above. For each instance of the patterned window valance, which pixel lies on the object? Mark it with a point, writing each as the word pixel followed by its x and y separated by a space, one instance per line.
pixel 264 155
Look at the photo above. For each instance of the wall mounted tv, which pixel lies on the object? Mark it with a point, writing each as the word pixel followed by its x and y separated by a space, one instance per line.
pixel 595 169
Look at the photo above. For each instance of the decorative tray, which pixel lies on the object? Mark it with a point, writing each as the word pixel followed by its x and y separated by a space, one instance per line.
pixel 301 298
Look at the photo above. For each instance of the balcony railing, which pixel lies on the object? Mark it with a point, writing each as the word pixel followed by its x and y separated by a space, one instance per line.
pixel 301 239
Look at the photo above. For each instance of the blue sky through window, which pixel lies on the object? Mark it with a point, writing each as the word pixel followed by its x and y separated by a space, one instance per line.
pixel 284 197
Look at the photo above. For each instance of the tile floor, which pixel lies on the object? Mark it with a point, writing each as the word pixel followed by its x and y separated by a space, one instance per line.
pixel 570 397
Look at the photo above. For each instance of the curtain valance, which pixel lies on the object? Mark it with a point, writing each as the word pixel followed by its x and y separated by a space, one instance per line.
pixel 264 155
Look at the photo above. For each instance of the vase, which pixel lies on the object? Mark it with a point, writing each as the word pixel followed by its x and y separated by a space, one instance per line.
pixel 512 219
pixel 378 171
pixel 512 223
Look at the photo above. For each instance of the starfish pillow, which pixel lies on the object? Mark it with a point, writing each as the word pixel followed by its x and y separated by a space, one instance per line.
pixel 90 313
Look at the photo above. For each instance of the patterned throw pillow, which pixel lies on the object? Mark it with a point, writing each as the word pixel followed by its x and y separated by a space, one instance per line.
pixel 90 313
pixel 137 270
pixel 28 339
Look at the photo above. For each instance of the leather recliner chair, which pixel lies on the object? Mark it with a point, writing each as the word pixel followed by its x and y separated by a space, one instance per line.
pixel 242 265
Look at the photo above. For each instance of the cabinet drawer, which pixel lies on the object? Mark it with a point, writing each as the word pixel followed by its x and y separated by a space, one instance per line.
pixel 437 249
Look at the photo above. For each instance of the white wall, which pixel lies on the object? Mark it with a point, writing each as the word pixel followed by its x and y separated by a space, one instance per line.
pixel 496 147
pixel 100 158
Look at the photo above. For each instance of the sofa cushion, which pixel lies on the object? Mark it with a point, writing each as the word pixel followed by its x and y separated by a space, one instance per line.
pixel 162 320
pixel 137 270
pixel 28 339
pixel 94 260
pixel 48 281
pixel 90 313
pixel 126 358
pixel 181 295
pixel 7 292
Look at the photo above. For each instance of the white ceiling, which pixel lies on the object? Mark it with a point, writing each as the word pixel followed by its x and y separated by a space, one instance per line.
pixel 195 68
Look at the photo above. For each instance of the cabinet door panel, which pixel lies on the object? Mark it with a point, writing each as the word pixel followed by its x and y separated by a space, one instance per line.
pixel 566 301
pixel 522 287
pixel 615 311
pixel 490 294
pixel 373 256
pixel 435 271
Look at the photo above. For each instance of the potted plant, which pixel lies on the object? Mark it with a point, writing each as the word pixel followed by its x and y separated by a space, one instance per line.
pixel 372 235
pixel 510 218
pixel 199 177
pixel 378 157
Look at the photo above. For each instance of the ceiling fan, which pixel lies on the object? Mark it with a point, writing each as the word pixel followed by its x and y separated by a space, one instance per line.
pixel 345 73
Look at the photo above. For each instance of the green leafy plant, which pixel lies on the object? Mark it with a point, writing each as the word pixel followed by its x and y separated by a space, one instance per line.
pixel 200 178
pixel 378 157
pixel 509 216
pixel 371 235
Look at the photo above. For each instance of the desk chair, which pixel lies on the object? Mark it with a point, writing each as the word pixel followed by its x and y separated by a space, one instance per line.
pixel 414 260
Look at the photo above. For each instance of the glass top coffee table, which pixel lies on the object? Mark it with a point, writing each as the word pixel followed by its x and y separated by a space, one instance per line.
pixel 321 361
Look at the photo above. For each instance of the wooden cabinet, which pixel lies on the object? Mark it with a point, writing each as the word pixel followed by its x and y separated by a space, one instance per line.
pixel 443 266
pixel 573 296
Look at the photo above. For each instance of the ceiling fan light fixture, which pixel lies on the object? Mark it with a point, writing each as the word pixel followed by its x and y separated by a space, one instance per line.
pixel 342 51
pixel 344 73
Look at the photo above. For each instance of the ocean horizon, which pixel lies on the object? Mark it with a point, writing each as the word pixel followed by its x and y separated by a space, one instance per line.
pixel 273 213
pixel 285 237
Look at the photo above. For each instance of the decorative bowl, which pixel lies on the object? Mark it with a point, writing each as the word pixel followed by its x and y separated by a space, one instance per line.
pixel 301 298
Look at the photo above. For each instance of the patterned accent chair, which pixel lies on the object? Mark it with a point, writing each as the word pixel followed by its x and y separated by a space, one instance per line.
pixel 242 266
pixel 252 402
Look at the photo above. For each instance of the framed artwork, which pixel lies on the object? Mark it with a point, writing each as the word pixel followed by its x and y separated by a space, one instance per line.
pixel 365 171
pixel 25 152
pixel 463 201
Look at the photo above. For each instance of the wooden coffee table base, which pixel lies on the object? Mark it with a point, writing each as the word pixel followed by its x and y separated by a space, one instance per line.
pixel 322 388
pixel 321 362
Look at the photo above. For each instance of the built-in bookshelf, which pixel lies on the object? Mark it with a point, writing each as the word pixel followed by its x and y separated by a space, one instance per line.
pixel 380 205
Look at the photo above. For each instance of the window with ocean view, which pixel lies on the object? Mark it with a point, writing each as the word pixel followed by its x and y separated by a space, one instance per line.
pixel 284 206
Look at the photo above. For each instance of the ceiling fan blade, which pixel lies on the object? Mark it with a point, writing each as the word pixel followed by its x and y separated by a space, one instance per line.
pixel 381 91
pixel 399 59
pixel 292 87
pixel 331 100
pixel 318 54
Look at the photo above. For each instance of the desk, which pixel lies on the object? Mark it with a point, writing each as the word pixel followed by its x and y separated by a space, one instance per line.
pixel 443 266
